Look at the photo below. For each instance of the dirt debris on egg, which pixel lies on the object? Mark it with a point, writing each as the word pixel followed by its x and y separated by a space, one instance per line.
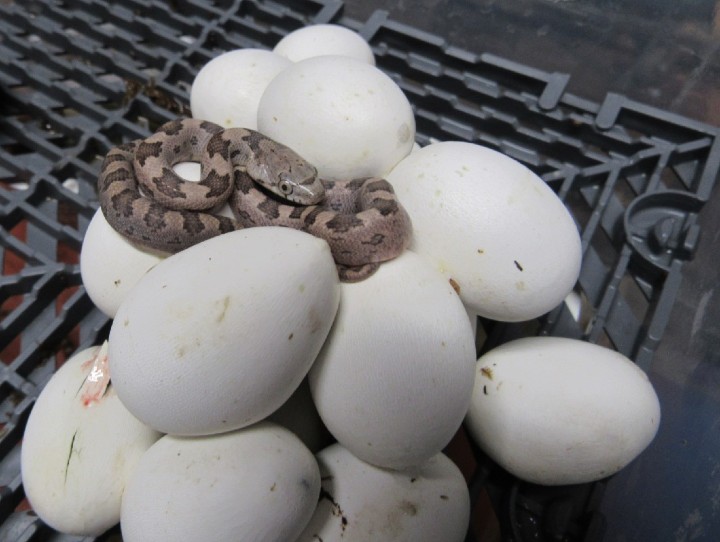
pixel 361 502
pixel 394 378
pixel 491 226
pixel 218 336
pixel 257 483
pixel 558 411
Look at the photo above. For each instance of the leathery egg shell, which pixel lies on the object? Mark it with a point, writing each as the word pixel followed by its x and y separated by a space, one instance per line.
pixel 344 116
pixel 80 447
pixel 227 89
pixel 257 483
pixel 394 379
pixel 492 226
pixel 557 411
pixel 324 39
pixel 362 503
pixel 110 264
pixel 218 336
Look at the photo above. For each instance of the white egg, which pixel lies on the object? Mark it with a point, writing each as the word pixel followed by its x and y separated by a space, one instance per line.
pixel 344 116
pixel 492 226
pixel 227 89
pixel 258 483
pixel 80 447
pixel 324 39
pixel 218 336
pixel 189 171
pixel 110 264
pixel 362 503
pixel 557 411
pixel 394 379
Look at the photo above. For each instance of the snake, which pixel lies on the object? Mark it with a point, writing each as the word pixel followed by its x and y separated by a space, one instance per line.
pixel 264 182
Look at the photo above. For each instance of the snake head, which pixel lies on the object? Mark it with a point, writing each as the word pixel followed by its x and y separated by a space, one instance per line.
pixel 295 181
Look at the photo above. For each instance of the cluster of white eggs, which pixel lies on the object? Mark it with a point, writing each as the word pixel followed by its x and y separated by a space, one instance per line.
pixel 230 361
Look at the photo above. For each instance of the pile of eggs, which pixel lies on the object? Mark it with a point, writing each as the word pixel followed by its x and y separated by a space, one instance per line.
pixel 246 394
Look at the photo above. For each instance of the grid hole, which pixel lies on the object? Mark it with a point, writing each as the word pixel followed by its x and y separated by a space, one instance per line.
pixel 670 179
pixel 634 297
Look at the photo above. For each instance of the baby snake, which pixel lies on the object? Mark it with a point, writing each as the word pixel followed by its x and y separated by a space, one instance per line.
pixel 266 184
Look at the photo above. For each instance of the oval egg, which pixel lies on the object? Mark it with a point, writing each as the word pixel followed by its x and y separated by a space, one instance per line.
pixel 258 483
pixel 228 88
pixel 558 411
pixel 110 264
pixel 359 502
pixel 394 378
pixel 492 226
pixel 344 116
pixel 79 448
pixel 324 39
pixel 218 336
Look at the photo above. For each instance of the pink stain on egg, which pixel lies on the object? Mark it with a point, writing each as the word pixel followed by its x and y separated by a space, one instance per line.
pixel 97 381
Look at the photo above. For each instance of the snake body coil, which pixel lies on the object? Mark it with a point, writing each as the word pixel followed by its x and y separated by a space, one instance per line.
pixel 266 184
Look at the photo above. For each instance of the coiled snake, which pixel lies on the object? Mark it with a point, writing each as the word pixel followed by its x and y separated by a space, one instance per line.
pixel 266 184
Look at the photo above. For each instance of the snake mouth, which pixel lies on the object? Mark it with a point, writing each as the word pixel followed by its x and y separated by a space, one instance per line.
pixel 311 195
pixel 290 200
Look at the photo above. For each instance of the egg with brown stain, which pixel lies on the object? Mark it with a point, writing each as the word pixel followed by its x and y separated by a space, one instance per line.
pixel 218 336
pixel 360 502
pixel 492 226
pixel 558 411
pixel 257 483
pixel 394 379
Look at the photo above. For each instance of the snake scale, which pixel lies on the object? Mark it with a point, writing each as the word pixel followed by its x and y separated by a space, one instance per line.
pixel 265 183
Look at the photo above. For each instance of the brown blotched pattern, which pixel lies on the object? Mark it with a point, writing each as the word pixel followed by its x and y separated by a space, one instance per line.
pixel 266 183
pixel 145 221
pixel 361 220
pixel 146 150
pixel 182 141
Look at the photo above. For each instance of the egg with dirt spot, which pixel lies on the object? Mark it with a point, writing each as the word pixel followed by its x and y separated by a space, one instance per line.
pixel 218 336
pixel 257 483
pixel 360 502
pixel 492 226
pixel 557 411
pixel 394 379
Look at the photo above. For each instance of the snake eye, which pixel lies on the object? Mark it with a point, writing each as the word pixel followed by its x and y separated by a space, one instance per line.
pixel 285 187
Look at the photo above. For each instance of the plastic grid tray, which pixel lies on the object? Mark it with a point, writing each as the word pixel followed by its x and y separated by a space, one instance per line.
pixel 80 76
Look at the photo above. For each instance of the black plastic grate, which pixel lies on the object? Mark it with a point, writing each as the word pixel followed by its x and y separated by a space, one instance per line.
pixel 80 76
